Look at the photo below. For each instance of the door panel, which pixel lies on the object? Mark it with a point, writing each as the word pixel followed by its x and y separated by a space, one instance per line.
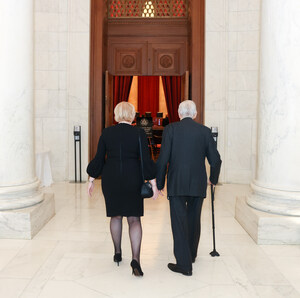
pixel 147 56
pixel 109 100
pixel 127 57
pixel 168 58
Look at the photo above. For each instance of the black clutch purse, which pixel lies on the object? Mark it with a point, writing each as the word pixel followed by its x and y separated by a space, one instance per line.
pixel 146 189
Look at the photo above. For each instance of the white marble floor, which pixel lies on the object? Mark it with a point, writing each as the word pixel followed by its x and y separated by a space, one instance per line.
pixel 72 255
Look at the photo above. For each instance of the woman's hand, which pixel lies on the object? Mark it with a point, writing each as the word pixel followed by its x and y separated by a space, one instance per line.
pixel 154 188
pixel 91 186
pixel 155 192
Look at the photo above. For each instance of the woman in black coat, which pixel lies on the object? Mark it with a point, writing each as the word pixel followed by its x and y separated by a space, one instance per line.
pixel 118 162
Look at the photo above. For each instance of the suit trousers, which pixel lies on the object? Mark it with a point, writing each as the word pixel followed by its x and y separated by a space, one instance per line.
pixel 186 228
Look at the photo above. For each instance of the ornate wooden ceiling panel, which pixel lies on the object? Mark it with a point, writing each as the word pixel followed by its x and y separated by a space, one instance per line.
pixel 147 9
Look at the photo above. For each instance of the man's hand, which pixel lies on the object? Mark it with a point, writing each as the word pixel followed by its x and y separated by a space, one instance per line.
pixel 161 192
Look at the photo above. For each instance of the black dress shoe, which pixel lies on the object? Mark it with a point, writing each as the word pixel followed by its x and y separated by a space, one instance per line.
pixel 175 268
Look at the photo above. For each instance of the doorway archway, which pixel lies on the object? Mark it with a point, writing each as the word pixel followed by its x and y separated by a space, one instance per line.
pixel 144 46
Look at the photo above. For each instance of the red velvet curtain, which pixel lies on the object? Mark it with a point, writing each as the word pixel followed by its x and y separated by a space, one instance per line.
pixel 122 85
pixel 148 95
pixel 172 88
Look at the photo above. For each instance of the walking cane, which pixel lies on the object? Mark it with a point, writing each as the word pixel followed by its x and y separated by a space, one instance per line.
pixel 214 253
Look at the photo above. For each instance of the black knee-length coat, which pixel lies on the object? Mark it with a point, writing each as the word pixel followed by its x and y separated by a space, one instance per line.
pixel 118 162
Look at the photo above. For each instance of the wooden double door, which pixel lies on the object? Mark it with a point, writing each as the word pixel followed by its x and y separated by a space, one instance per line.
pixel 148 56
pixel 138 47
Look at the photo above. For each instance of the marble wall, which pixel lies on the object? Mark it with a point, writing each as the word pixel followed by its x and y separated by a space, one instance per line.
pixel 62 72
pixel 61 80
pixel 232 60
pixel 78 78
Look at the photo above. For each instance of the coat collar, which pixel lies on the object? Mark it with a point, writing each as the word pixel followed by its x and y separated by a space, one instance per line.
pixel 187 119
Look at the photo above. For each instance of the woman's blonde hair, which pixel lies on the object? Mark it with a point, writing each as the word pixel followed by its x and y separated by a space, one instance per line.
pixel 124 111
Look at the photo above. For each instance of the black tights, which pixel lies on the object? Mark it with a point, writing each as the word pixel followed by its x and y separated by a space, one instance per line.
pixel 135 234
pixel 116 232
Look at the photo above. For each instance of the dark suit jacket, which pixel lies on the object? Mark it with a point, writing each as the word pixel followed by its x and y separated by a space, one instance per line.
pixel 185 145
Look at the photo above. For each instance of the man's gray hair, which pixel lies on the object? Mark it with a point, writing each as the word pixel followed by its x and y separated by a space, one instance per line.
pixel 187 109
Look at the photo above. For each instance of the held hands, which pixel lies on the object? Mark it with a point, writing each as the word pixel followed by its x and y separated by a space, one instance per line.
pixel 156 192
pixel 208 182
pixel 161 192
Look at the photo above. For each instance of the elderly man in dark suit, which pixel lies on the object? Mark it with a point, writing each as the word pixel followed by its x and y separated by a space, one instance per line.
pixel 185 145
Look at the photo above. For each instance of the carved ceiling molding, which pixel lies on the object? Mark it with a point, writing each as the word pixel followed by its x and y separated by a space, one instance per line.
pixel 165 21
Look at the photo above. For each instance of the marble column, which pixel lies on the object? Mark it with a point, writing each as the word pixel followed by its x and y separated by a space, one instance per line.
pixel 18 182
pixel 276 188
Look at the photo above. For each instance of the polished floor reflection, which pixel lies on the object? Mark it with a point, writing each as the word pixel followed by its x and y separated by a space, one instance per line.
pixel 72 255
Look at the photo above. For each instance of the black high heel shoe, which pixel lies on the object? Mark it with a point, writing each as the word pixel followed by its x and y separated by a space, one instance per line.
pixel 136 268
pixel 118 258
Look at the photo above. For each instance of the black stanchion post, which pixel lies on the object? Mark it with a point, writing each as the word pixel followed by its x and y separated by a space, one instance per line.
pixel 80 161
pixel 214 132
pixel 75 155
pixel 77 139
